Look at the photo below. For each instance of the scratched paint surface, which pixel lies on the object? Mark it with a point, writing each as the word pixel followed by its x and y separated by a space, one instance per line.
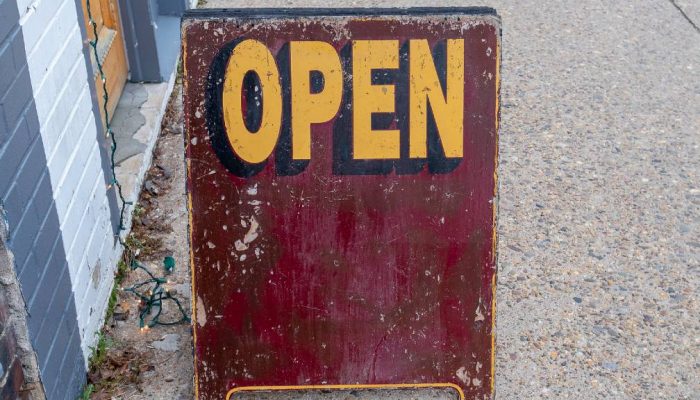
pixel 333 271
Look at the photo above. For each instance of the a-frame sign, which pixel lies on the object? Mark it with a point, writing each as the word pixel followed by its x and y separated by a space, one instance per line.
pixel 342 189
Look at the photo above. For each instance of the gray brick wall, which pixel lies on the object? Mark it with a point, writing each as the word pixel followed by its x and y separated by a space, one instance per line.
pixel 27 196
pixel 74 148
pixel 61 217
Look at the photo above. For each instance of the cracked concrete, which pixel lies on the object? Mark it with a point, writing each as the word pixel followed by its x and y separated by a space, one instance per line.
pixel 136 124
pixel 690 9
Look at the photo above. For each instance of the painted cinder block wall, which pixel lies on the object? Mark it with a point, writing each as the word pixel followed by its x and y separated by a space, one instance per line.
pixel 59 213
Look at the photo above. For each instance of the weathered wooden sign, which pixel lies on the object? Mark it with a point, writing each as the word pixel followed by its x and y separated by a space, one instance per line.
pixel 342 198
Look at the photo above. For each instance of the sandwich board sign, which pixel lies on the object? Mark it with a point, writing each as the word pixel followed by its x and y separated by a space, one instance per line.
pixel 342 187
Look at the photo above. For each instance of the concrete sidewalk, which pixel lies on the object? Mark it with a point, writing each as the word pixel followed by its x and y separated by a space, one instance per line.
pixel 599 272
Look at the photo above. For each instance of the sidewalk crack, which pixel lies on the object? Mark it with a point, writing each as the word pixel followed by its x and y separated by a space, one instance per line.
pixel 683 13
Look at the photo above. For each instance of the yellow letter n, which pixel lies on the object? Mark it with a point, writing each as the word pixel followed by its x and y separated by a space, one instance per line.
pixel 448 109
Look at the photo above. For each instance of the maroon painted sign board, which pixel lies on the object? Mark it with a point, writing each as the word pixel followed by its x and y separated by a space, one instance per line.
pixel 342 192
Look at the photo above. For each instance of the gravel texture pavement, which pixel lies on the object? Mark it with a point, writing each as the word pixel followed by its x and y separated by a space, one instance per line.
pixel 599 272
pixel 599 224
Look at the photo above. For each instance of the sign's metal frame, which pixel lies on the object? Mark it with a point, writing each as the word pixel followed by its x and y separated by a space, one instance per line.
pixel 281 13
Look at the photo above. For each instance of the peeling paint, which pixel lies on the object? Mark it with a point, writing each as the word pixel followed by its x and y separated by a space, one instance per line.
pixel 201 313
pixel 338 270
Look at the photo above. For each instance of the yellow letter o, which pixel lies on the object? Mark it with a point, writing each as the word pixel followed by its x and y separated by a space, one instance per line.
pixel 252 147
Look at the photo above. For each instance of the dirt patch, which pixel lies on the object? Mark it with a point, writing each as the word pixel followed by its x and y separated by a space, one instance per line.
pixel 155 362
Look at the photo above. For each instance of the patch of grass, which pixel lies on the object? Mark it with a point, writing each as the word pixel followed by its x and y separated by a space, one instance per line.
pixel 88 390
pixel 122 271
pixel 99 352
pixel 133 243
pixel 144 246
pixel 138 210
pixel 97 357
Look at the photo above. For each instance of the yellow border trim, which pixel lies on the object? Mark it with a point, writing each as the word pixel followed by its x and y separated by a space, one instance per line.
pixel 193 299
pixel 494 250
pixel 346 387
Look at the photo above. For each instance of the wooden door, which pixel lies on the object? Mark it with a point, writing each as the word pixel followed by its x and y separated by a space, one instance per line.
pixel 110 49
